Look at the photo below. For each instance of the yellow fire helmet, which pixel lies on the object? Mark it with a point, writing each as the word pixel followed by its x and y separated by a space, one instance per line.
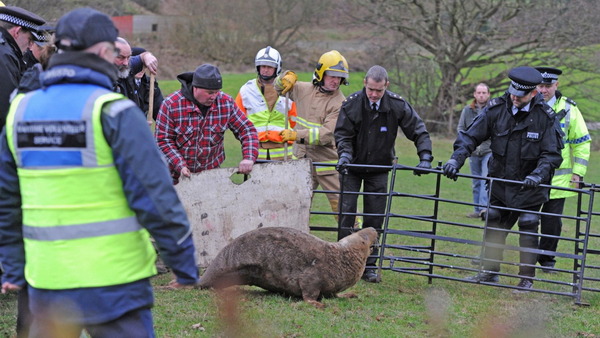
pixel 331 63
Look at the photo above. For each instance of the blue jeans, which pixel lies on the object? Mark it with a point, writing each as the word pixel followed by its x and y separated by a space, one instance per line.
pixel 479 167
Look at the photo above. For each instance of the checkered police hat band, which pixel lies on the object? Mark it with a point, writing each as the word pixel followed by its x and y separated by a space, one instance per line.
pixel 18 21
pixel 547 75
pixel 521 86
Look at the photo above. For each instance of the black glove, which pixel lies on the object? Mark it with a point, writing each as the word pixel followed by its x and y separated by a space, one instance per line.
pixel 423 164
pixel 532 181
pixel 451 169
pixel 342 162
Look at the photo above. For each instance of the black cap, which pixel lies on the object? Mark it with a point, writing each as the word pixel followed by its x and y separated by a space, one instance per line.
pixel 137 51
pixel 524 80
pixel 549 74
pixel 21 17
pixel 84 27
pixel 207 76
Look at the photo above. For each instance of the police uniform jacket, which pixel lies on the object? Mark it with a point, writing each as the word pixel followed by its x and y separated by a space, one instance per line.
pixel 11 68
pixel 524 144
pixel 369 136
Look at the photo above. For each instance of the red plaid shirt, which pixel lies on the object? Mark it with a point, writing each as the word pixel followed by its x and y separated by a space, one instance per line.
pixel 189 139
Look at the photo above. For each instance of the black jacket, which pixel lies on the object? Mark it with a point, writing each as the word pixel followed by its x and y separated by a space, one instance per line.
pixel 528 143
pixel 11 70
pixel 369 137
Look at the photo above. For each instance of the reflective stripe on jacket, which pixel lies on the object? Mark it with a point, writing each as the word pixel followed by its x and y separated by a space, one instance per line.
pixel 576 152
pixel 268 123
pixel 317 115
pixel 78 228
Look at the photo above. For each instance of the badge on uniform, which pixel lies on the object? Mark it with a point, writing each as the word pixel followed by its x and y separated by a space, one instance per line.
pixel 383 129
pixel 533 136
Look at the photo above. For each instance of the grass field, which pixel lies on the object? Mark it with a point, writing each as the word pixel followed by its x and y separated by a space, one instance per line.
pixel 403 305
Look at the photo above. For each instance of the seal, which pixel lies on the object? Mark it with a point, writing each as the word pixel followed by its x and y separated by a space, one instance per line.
pixel 291 262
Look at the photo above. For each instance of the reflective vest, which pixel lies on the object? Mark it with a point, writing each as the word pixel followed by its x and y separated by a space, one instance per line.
pixel 268 123
pixel 576 152
pixel 78 228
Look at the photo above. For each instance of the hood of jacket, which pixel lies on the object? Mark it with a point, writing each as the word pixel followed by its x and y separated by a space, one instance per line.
pixel 79 67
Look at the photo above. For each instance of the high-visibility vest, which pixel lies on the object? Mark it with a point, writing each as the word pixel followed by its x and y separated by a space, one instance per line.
pixel 78 228
pixel 576 152
pixel 268 123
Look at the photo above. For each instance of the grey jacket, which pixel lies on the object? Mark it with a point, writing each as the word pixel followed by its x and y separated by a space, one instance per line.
pixel 466 119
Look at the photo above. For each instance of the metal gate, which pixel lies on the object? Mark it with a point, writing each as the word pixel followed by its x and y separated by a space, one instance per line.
pixel 424 233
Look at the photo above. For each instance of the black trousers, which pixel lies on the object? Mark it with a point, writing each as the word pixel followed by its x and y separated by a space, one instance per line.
pixel 372 204
pixel 550 225
pixel 505 219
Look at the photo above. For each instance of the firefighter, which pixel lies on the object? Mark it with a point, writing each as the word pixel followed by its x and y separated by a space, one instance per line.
pixel 317 106
pixel 268 111
pixel 575 155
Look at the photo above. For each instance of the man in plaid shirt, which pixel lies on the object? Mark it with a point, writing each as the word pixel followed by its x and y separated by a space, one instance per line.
pixel 191 125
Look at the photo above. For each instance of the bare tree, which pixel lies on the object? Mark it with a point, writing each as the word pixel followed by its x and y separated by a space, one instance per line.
pixel 231 32
pixel 468 41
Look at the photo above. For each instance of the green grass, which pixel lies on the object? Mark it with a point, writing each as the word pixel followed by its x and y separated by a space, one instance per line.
pixel 403 305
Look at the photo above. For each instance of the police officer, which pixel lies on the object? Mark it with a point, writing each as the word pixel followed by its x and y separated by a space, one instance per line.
pixel 526 143
pixel 573 168
pixel 365 133
pixel 16 27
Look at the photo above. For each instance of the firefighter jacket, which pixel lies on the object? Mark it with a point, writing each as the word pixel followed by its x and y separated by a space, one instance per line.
pixel 577 140
pixel 524 144
pixel 269 118
pixel 317 115
pixel 369 136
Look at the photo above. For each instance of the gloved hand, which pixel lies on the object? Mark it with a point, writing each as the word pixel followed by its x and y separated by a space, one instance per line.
pixel 342 162
pixel 451 169
pixel 285 82
pixel 425 163
pixel 531 181
pixel 288 135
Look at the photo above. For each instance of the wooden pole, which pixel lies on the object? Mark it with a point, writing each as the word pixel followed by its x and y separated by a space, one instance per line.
pixel 149 117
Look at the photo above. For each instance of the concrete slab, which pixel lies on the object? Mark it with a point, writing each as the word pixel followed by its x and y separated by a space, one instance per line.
pixel 275 194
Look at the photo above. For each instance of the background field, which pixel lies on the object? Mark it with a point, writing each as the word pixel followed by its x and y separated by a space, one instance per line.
pixel 402 305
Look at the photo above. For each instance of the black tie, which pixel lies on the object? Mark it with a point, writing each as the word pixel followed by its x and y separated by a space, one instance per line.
pixel 374 106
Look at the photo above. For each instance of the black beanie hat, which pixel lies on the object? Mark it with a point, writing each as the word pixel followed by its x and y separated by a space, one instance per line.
pixel 207 76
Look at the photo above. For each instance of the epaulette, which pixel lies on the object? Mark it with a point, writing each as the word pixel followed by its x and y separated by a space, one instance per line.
pixel 351 97
pixel 550 112
pixel 495 102
pixel 395 96
pixel 573 103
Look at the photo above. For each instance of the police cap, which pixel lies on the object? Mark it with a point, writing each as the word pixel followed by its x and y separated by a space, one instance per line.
pixel 524 80
pixel 42 36
pixel 21 17
pixel 549 74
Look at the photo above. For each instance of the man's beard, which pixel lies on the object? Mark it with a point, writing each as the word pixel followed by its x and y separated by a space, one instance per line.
pixel 123 71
